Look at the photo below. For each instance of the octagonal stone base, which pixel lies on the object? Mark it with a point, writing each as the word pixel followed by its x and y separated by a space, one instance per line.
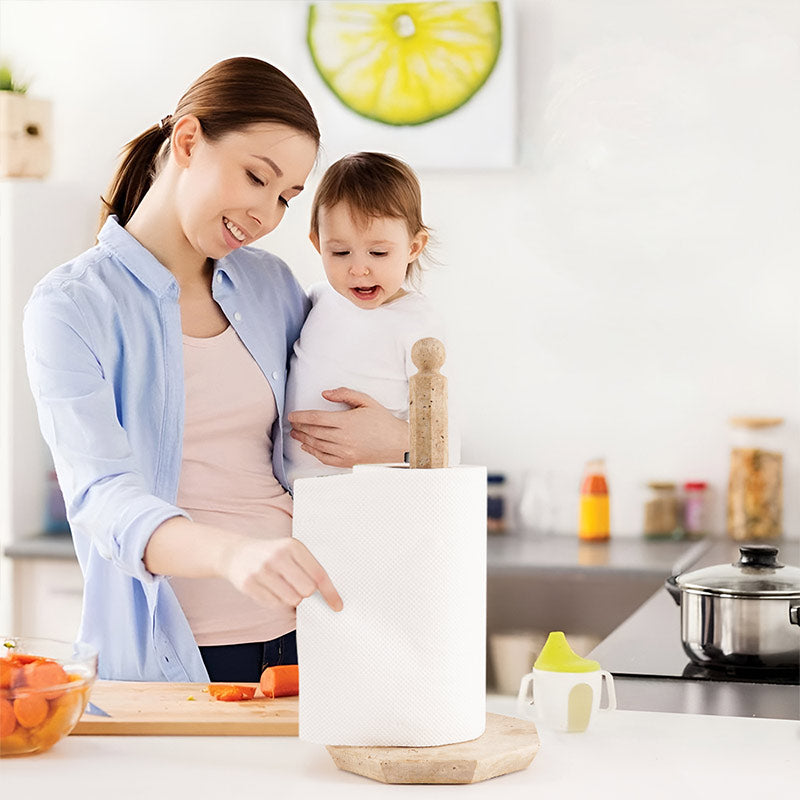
pixel 507 745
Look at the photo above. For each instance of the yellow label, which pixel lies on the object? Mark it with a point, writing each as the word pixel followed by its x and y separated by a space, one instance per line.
pixel 594 517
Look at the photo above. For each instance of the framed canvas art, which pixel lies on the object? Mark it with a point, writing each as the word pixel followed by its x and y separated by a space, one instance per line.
pixel 431 82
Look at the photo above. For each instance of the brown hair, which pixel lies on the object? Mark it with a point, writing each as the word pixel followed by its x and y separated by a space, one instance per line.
pixel 373 185
pixel 227 97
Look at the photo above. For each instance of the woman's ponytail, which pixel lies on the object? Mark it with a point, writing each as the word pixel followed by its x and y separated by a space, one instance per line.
pixel 135 174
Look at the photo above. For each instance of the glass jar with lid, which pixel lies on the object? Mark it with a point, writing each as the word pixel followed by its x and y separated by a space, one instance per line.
pixel 755 481
pixel 662 516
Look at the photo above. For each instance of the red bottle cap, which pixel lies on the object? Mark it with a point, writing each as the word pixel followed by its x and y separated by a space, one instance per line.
pixel 695 485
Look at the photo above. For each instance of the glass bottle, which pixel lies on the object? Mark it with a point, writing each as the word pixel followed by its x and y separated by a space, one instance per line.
pixel 695 522
pixel 496 505
pixel 594 518
pixel 755 482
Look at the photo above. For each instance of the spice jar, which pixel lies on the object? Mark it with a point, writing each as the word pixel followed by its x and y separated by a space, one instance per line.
pixel 755 483
pixel 695 522
pixel 662 510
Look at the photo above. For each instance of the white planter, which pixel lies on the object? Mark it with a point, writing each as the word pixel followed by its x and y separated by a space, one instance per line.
pixel 25 136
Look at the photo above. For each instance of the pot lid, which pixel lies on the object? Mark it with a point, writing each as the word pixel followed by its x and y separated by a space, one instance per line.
pixel 757 573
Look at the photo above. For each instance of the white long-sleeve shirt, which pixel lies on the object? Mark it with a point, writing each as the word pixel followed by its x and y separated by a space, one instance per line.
pixel 368 350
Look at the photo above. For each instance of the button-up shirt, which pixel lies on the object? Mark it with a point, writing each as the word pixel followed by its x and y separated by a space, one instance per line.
pixel 103 345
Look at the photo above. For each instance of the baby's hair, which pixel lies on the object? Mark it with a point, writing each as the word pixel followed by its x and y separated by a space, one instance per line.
pixel 373 185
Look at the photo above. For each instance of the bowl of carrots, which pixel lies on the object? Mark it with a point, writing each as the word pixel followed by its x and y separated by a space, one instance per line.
pixel 44 688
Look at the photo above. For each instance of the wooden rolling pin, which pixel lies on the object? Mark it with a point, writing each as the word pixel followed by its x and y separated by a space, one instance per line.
pixel 427 406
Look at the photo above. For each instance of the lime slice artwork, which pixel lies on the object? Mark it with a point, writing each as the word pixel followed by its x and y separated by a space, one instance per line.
pixel 404 63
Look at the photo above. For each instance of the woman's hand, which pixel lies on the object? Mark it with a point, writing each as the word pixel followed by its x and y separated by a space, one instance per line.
pixel 277 570
pixel 366 433
pixel 268 570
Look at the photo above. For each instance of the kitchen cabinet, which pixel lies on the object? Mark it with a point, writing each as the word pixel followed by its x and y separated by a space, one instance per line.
pixel 42 224
pixel 48 597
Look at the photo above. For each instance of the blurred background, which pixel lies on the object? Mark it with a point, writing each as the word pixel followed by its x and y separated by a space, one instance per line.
pixel 621 288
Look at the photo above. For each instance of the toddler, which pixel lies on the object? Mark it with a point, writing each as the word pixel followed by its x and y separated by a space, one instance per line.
pixel 366 223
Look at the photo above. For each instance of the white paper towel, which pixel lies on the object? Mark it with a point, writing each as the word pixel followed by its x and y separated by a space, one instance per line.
pixel 404 662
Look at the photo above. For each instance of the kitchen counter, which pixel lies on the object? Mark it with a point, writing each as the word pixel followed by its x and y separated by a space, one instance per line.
pixel 624 754
pixel 43 545
pixel 628 555
pixel 516 550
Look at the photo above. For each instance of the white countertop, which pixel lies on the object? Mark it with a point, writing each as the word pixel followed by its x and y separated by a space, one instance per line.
pixel 624 754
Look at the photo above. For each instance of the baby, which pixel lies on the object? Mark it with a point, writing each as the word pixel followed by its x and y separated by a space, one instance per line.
pixel 366 223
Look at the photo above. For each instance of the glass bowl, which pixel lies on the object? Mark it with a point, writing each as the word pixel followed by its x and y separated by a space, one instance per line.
pixel 44 688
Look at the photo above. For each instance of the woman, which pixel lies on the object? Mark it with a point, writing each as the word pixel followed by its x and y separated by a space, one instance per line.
pixel 158 359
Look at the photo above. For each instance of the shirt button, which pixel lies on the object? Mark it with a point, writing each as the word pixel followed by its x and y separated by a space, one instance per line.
pixel 219 277
pixel 237 316
pixel 276 374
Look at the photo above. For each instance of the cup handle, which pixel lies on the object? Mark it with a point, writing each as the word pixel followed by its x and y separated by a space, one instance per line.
pixel 612 696
pixel 522 697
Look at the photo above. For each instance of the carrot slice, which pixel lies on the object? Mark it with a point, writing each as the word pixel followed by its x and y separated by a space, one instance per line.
pixel 30 710
pixel 8 722
pixel 280 681
pixel 42 674
pixel 8 670
pixel 230 692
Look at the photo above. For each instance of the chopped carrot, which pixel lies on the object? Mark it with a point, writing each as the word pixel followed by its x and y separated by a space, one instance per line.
pixel 43 674
pixel 30 710
pixel 280 681
pixel 7 719
pixel 8 671
pixel 231 693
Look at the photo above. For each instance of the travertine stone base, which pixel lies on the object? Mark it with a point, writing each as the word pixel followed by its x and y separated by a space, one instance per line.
pixel 507 745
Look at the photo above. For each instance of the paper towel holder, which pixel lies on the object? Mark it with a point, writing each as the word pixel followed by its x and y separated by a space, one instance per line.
pixel 427 406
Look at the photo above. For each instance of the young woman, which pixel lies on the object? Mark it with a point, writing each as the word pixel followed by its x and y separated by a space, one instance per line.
pixel 157 360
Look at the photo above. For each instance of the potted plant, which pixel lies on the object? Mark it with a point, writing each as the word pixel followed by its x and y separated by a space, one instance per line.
pixel 25 124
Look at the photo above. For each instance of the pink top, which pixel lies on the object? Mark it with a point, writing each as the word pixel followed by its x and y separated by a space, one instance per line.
pixel 227 481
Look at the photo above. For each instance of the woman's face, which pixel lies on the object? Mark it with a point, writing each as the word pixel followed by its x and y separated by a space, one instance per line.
pixel 235 190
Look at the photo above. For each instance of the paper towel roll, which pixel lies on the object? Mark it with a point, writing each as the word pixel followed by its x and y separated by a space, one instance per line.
pixel 404 662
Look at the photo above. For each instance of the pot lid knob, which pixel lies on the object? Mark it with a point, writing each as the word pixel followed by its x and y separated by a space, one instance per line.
pixel 758 555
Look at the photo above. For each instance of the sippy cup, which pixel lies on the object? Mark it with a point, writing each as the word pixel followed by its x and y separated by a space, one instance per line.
pixel 564 688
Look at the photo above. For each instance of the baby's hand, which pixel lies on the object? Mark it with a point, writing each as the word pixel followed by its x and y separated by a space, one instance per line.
pixel 367 433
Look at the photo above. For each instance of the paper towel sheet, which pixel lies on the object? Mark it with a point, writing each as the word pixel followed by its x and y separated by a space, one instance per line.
pixel 403 664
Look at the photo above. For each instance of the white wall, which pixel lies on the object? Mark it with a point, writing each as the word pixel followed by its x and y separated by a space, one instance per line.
pixel 626 289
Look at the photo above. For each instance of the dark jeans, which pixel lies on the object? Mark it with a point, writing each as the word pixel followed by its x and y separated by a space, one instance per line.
pixel 244 663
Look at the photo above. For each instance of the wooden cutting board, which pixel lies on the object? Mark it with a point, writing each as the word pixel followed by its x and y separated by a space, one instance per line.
pixel 164 709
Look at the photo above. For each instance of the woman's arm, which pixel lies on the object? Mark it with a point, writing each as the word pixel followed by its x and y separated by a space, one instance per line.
pixel 266 570
pixel 367 433
pixel 108 497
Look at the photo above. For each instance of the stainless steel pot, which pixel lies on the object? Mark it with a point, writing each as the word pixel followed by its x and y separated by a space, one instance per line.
pixel 742 615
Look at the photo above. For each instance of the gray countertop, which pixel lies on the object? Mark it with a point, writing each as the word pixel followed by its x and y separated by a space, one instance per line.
pixel 517 551
pixel 630 554
pixel 43 545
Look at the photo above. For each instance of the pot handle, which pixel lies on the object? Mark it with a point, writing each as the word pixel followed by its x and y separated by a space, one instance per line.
pixel 794 614
pixel 671 585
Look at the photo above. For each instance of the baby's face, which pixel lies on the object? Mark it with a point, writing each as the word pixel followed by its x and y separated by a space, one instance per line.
pixel 365 262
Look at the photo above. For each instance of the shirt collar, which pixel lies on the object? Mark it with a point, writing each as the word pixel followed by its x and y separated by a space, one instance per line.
pixel 136 258
pixel 147 268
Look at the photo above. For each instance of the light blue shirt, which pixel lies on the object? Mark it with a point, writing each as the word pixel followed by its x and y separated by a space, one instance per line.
pixel 103 344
